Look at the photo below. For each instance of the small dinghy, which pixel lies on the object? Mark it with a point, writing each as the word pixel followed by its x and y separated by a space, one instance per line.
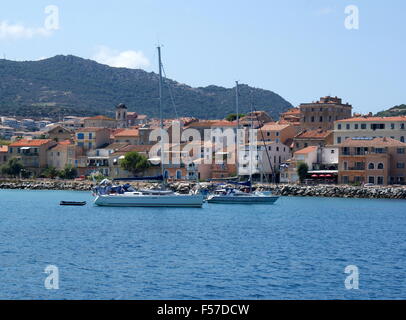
pixel 72 203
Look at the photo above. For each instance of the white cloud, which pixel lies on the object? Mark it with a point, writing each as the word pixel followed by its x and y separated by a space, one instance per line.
pixel 19 31
pixel 125 59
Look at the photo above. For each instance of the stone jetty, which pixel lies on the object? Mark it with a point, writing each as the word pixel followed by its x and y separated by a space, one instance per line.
pixel 334 191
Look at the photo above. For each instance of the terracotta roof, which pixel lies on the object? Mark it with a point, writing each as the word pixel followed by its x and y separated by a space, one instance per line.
pixel 361 119
pixel 90 129
pixel 207 123
pixel 30 143
pixel 314 134
pixel 100 118
pixel 224 123
pixel 274 126
pixel 65 142
pixel 128 133
pixel 3 148
pixel 306 150
pixel 376 142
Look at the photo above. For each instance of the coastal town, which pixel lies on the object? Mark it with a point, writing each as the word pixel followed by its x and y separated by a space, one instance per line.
pixel 333 144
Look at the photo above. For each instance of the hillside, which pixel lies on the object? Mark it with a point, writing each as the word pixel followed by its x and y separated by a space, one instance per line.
pixel 394 111
pixel 71 85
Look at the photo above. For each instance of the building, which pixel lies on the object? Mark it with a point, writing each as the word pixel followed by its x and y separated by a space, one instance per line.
pixel 92 138
pixel 370 127
pixel 58 133
pixel 378 161
pixel 100 122
pixel 6 132
pixel 121 116
pixel 291 116
pixel 318 137
pixel 323 113
pixel 3 154
pixel 57 155
pixel 255 119
pixel 128 136
pixel 283 133
pixel 32 153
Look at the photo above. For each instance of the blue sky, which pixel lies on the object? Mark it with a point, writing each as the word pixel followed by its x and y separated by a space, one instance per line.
pixel 299 49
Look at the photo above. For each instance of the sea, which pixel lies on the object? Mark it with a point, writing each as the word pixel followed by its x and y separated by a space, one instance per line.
pixel 297 248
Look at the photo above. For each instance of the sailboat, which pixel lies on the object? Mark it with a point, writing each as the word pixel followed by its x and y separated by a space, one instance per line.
pixel 235 196
pixel 126 196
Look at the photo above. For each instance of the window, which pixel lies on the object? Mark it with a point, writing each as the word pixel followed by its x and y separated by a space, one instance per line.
pixel 277 133
pixel 371 166
pixel 375 126
pixel 402 139
pixel 338 139
pixel 332 151
pixel 312 119
pixel 392 126
pixel 344 179
pixel 371 179
pixel 268 134
pixel 11 150
pixel 380 180
pixel 90 135
pixel 380 166
pixel 80 136
pixel 321 119
pixel 305 144
pixel 401 150
pixel 402 126
pixel 379 150
pixel 363 125
pixel 347 126
pixel 356 126
pixel 400 165
pixel 339 126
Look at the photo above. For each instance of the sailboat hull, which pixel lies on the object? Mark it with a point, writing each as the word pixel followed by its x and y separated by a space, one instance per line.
pixel 188 201
pixel 243 200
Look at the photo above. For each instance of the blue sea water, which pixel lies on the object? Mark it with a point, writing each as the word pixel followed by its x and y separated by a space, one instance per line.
pixel 297 248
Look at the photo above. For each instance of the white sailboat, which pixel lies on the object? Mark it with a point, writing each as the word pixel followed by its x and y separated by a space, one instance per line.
pixel 149 198
pixel 235 196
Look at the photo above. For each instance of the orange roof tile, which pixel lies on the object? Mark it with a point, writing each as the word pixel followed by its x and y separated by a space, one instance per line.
pixel 3 148
pixel 224 123
pixel 361 119
pixel 376 142
pixel 314 134
pixel 30 143
pixel 306 150
pixel 274 126
pixel 128 133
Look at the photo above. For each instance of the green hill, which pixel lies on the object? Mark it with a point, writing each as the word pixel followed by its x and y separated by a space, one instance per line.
pixel 69 85
pixel 394 111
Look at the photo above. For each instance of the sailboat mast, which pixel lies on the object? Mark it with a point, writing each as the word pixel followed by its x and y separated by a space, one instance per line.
pixel 238 127
pixel 161 125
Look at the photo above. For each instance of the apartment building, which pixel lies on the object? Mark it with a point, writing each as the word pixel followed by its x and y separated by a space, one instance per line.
pixel 323 113
pixel 92 137
pixel 318 137
pixel 282 133
pixel 370 127
pixel 32 153
pixel 378 161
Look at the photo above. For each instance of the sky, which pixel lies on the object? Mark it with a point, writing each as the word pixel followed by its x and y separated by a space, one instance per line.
pixel 300 49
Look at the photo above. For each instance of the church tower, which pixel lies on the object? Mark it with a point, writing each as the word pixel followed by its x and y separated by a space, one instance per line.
pixel 121 116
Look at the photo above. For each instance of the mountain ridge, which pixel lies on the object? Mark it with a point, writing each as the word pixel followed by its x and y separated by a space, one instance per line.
pixel 70 85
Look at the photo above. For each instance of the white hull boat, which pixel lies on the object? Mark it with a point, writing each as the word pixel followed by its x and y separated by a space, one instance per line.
pixel 140 199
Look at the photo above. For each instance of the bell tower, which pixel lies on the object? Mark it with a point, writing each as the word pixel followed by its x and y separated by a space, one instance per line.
pixel 121 116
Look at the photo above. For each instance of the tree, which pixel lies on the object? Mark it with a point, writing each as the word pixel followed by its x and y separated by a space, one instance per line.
pixel 51 172
pixel 302 170
pixel 68 172
pixel 233 116
pixel 12 168
pixel 134 162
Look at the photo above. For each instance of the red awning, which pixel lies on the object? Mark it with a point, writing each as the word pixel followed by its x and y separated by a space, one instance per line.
pixel 328 175
pixel 314 175
pixel 322 176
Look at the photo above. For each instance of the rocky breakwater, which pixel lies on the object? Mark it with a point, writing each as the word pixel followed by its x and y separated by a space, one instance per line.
pixel 46 185
pixel 337 191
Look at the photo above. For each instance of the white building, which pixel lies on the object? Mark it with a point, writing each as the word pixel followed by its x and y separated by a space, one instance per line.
pixel 370 127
